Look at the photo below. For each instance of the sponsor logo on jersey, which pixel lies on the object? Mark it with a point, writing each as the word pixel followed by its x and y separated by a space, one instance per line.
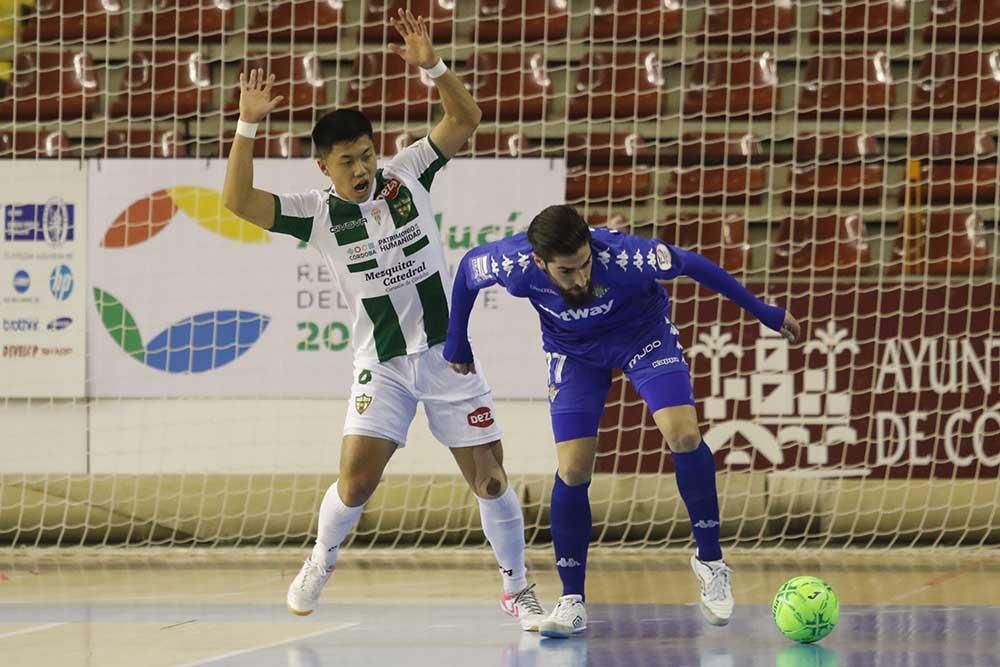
pixel 663 259
pixel 365 376
pixel 348 226
pixel 390 190
pixel 362 402
pixel 543 290
pixel 59 324
pixel 52 222
pixel 645 350
pixel 21 324
pixel 481 417
pixel 567 562
pixel 481 269
pixel 580 313
pixel 553 392
pixel 409 233
pixel 600 291
pixel 361 251
pixel 22 281
pixel 666 362
pixel 398 275
pixel 61 282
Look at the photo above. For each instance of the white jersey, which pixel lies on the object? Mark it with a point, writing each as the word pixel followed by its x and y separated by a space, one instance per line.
pixel 385 254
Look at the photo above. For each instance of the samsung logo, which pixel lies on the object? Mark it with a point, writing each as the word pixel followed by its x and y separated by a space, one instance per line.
pixel 59 324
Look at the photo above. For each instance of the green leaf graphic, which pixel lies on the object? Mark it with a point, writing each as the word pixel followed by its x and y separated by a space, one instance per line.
pixel 120 324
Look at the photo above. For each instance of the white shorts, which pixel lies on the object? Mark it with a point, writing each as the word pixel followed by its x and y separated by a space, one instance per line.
pixel 384 399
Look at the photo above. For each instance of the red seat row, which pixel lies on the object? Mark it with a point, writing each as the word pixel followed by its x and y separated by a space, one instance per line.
pixel 513 86
pixel 868 22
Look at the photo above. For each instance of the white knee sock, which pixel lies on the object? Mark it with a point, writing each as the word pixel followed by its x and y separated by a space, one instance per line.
pixel 503 524
pixel 336 520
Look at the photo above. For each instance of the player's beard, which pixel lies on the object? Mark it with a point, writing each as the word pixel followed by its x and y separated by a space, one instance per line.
pixel 576 298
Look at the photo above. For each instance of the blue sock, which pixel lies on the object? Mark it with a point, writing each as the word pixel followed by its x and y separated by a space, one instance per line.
pixel 696 482
pixel 571 524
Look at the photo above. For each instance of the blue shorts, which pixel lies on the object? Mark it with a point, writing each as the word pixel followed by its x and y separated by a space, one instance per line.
pixel 578 386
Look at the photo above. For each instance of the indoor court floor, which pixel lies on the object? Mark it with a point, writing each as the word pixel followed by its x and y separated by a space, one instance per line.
pixel 108 608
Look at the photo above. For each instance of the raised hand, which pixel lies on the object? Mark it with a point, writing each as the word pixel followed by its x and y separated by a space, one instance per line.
pixel 790 329
pixel 255 96
pixel 418 49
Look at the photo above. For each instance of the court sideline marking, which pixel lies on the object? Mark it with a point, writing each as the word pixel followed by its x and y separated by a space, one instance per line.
pixel 28 631
pixel 233 654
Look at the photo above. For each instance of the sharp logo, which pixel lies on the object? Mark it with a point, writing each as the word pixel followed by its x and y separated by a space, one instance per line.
pixel 567 562
pixel 580 313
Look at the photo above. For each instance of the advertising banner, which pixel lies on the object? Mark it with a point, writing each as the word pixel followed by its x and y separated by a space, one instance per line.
pixel 43 260
pixel 187 300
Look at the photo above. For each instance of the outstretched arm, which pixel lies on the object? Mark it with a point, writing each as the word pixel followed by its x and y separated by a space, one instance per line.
pixel 457 349
pixel 461 113
pixel 714 277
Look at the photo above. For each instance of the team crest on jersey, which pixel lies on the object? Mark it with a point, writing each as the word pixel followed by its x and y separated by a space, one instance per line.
pixel 553 392
pixel 600 291
pixel 362 402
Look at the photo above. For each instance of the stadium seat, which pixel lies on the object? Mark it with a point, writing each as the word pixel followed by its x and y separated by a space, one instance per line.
pixel 715 168
pixel 760 22
pixel 510 86
pixel 298 77
pixel 734 84
pixel 500 144
pixel 63 21
pixel 389 144
pixel 642 20
pixel 971 20
pixel 302 21
pixel 625 84
pixel 721 237
pixel 851 85
pixel 520 21
pixel 140 143
pixel 836 169
pixel 952 243
pixel 50 85
pixel 271 144
pixel 963 85
pixel 377 14
pixel 195 20
pixel 386 88
pixel 868 22
pixel 29 145
pixel 821 245
pixel 958 168
pixel 583 184
pixel 164 84
pixel 621 149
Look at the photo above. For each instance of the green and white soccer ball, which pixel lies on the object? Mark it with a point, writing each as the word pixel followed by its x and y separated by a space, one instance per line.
pixel 805 609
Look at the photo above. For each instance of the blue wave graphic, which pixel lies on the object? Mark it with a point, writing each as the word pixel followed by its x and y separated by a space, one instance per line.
pixel 205 341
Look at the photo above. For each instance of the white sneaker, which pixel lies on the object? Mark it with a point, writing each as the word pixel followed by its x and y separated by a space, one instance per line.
pixel 568 618
pixel 303 594
pixel 715 582
pixel 524 606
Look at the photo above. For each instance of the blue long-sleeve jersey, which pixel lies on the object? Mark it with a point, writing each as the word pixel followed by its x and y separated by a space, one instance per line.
pixel 628 299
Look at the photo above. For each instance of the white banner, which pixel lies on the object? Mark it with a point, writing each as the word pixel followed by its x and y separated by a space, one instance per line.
pixel 177 282
pixel 43 269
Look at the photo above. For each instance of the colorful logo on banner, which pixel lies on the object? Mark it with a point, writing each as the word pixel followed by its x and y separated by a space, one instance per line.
pixel 201 342
pixel 147 217
pixel 61 282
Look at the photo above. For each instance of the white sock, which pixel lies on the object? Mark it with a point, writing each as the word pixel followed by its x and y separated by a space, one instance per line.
pixel 336 520
pixel 503 524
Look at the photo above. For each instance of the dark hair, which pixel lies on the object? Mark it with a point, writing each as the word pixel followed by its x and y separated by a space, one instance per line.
pixel 340 126
pixel 558 230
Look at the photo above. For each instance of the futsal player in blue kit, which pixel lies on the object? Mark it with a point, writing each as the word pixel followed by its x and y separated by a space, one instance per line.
pixel 601 307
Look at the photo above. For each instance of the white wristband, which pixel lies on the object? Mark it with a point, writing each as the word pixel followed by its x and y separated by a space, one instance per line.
pixel 436 71
pixel 245 129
